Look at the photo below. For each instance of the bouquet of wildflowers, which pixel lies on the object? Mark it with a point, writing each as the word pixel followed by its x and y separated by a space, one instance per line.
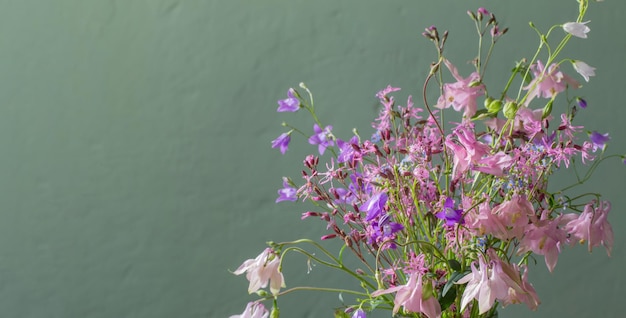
pixel 444 217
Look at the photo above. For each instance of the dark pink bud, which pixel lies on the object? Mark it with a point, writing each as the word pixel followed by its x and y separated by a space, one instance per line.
pixel 309 214
pixel 329 236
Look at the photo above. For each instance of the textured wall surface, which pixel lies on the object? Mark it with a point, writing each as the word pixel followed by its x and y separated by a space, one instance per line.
pixel 136 168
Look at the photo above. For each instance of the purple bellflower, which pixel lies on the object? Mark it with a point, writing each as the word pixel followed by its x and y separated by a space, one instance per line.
pixel 450 214
pixel 282 142
pixel 359 313
pixel 321 138
pixel 374 206
pixel 289 104
pixel 287 193
pixel 599 140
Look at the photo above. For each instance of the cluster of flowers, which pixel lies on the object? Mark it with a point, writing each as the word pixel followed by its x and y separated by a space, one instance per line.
pixel 448 218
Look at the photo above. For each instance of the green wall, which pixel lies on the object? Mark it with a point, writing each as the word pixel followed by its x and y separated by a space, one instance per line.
pixel 136 168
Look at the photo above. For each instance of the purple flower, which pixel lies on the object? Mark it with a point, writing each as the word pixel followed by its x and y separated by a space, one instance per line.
pixel 599 140
pixel 384 230
pixel 449 214
pixel 289 104
pixel 374 206
pixel 287 193
pixel 322 138
pixel 581 102
pixel 359 313
pixel 282 142
pixel 347 152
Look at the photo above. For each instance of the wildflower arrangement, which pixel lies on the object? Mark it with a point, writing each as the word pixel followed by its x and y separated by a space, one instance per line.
pixel 443 216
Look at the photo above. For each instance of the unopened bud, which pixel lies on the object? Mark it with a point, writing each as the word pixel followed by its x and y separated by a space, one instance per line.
pixel 275 313
pixel 510 109
pixel 473 16
pixel 494 106
pixel 547 110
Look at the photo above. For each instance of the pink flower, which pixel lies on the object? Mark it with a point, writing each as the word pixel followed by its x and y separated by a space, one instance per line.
pixel 495 164
pixel 592 226
pixel 483 284
pixel 253 310
pixel 547 82
pixel 411 298
pixel 261 270
pixel 496 280
pixel 461 94
pixel 544 237
pixel 516 214
pixel 481 221
pixel 467 150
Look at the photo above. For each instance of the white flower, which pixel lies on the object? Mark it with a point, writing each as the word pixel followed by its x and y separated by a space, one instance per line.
pixel 584 69
pixel 261 270
pixel 577 29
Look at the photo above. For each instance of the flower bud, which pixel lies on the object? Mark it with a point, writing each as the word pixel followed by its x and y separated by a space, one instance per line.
pixel 547 110
pixel 494 106
pixel 275 313
pixel 510 109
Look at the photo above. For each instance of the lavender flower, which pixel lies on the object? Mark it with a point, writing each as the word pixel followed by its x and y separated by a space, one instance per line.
pixel 581 102
pixel 321 138
pixel 451 215
pixel 374 206
pixel 282 142
pixel 289 104
pixel 287 193
pixel 599 140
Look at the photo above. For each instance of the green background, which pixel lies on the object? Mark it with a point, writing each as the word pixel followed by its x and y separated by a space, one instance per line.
pixel 136 163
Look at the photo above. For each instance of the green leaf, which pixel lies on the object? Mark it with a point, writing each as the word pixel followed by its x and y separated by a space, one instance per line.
pixel 455 265
pixel 453 279
pixel 448 299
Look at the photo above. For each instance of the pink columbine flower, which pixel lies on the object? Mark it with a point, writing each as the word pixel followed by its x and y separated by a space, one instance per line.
pixel 253 310
pixel 462 94
pixel 547 82
pixel 412 299
pixel 261 270
pixel 584 69
pixel 515 213
pixel 593 227
pixel 544 237
pixel 496 280
pixel 578 29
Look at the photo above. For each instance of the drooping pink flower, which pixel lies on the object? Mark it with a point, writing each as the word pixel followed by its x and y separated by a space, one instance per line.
pixel 261 270
pixel 462 94
pixel 484 285
pixel 496 280
pixel 547 82
pixel 466 149
pixel 495 164
pixel 412 298
pixel 482 221
pixel 544 237
pixel 253 310
pixel 519 289
pixel 593 227
pixel 515 214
